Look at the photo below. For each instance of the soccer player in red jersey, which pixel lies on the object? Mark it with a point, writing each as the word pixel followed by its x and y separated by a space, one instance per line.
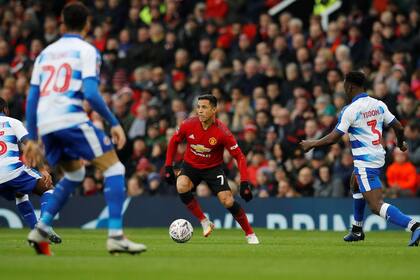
pixel 206 139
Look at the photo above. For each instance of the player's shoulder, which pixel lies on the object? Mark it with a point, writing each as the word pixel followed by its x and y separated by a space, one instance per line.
pixel 374 103
pixel 347 109
pixel 88 46
pixel 85 47
pixel 223 128
pixel 190 121
pixel 5 120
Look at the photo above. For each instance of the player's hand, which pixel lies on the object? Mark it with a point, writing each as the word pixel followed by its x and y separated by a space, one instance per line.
pixel 306 145
pixel 33 154
pixel 245 191
pixel 118 136
pixel 403 146
pixel 46 178
pixel 170 175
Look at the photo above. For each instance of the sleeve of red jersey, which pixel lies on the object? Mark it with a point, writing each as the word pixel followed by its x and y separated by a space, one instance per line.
pixel 232 146
pixel 177 138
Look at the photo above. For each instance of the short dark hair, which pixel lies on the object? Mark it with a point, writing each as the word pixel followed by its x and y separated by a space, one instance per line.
pixel 3 105
pixel 210 98
pixel 75 15
pixel 357 78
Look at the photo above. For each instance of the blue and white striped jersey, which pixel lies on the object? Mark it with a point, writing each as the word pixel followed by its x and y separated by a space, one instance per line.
pixel 59 71
pixel 364 119
pixel 11 132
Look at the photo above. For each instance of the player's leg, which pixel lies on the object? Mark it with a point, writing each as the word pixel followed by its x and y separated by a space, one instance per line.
pixel 26 209
pixel 185 182
pixel 29 180
pixel 356 233
pixel 74 173
pixel 217 182
pixel 114 191
pixel 371 188
pixel 226 198
pixel 88 142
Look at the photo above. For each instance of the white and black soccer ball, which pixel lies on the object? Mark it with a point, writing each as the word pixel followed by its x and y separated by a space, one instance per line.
pixel 180 230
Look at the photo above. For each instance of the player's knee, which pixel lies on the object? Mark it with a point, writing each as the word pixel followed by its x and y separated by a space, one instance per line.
pixel 106 161
pixel 75 176
pixel 41 188
pixel 114 170
pixel 182 187
pixel 183 184
pixel 227 199
pixel 375 206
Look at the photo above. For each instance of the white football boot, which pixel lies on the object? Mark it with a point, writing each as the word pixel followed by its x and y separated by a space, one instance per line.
pixel 252 239
pixel 208 227
pixel 38 239
pixel 124 245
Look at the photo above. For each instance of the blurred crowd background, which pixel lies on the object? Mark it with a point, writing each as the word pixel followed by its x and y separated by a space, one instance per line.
pixel 278 80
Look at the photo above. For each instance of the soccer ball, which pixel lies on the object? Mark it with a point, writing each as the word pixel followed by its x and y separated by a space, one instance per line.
pixel 180 231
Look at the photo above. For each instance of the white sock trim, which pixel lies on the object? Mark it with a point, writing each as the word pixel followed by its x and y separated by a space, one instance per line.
pixel 411 224
pixel 384 209
pixel 358 196
pixel 76 176
pixel 358 224
pixel 22 199
pixel 115 232
pixel 116 169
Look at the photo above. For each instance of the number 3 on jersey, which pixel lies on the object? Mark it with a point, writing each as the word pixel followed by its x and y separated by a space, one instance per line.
pixel 372 125
pixel 3 146
pixel 57 80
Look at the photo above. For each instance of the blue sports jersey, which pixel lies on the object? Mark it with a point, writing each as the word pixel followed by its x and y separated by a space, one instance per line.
pixel 363 120
pixel 59 72
pixel 11 132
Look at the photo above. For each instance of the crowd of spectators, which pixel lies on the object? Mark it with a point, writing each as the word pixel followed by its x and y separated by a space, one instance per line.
pixel 277 81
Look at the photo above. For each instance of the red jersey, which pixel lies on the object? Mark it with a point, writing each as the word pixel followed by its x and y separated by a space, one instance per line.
pixel 205 147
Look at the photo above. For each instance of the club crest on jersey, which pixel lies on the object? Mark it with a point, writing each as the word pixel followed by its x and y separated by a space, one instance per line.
pixel 107 141
pixel 212 141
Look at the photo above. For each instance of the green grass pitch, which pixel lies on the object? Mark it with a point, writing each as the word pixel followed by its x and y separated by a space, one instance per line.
pixel 224 255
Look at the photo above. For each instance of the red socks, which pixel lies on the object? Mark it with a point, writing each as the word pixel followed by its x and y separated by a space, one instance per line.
pixel 239 214
pixel 242 219
pixel 195 209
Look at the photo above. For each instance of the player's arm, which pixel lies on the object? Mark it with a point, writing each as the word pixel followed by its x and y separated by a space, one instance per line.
pixel 391 120
pixel 91 94
pixel 177 138
pixel 232 146
pixel 332 137
pixel 399 134
pixel 23 137
pixel 31 108
pixel 32 151
pixel 345 120
pixel 90 73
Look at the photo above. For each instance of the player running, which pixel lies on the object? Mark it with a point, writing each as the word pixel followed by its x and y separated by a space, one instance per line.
pixel 65 74
pixel 206 139
pixel 363 120
pixel 16 179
